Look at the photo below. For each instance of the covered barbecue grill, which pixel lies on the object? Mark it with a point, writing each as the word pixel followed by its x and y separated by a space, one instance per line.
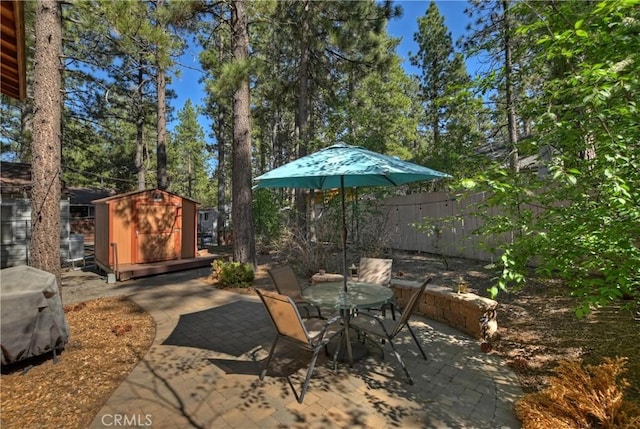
pixel 33 321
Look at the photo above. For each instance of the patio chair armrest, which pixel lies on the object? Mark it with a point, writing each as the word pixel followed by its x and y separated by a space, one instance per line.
pixel 303 302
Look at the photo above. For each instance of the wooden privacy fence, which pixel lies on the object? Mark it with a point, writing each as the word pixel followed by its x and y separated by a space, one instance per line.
pixel 448 237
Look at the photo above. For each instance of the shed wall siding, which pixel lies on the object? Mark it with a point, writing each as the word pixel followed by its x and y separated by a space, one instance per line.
pixel 122 220
pixel 189 229
pixel 146 226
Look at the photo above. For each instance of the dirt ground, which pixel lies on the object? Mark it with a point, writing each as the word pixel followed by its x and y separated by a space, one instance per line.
pixel 537 328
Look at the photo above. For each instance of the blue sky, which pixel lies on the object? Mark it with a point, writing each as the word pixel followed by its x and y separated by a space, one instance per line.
pixel 405 27
pixel 187 86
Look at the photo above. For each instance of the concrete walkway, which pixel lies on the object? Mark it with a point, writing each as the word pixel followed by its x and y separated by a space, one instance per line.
pixel 202 372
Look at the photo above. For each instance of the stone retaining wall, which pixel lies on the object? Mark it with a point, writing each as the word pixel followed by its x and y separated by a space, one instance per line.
pixel 459 310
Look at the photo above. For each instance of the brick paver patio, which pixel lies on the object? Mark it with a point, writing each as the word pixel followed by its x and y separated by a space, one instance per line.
pixel 202 372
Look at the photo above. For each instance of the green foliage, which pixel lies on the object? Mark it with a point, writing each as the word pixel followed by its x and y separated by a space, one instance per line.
pixel 434 228
pixel 452 114
pixel 380 113
pixel 109 95
pixel 367 221
pixel 580 222
pixel 233 274
pixel 267 222
pixel 295 247
pixel 188 160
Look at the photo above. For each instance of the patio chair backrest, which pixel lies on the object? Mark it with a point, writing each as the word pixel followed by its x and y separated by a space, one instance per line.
pixel 375 270
pixel 285 281
pixel 410 308
pixel 284 315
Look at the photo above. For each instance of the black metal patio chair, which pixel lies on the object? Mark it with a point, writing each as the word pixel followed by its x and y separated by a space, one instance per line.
pixel 309 334
pixel 387 330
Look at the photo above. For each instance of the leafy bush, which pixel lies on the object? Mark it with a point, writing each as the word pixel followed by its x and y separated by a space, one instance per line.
pixel 233 274
pixel 578 218
pixel 581 397
pixel 267 221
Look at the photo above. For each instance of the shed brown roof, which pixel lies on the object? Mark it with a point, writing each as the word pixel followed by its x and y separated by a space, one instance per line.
pixel 12 49
pixel 128 194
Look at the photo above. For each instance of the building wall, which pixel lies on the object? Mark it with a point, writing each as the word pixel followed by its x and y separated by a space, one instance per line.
pixel 207 226
pixel 83 221
pixel 102 233
pixel 15 221
pixel 207 221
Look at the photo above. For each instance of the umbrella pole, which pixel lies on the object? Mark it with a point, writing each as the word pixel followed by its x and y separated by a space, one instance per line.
pixel 344 235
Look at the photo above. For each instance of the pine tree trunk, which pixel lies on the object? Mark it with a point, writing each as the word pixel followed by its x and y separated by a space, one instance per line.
pixel 436 91
pixel 46 150
pixel 220 174
pixel 139 160
pixel 511 103
pixel 221 137
pixel 163 180
pixel 303 112
pixel 241 210
pixel 161 88
pixel 26 130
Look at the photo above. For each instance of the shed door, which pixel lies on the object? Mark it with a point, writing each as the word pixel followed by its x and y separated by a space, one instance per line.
pixel 158 232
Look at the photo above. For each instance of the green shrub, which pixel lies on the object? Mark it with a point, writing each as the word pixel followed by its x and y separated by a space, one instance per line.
pixel 267 220
pixel 233 274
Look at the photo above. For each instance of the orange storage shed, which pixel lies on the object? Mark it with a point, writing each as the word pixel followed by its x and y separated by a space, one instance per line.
pixel 144 227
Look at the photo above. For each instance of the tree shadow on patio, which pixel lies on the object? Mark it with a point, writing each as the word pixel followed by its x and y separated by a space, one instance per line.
pixel 233 329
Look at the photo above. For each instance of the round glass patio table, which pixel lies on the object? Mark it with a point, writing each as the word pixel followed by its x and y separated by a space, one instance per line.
pixel 358 295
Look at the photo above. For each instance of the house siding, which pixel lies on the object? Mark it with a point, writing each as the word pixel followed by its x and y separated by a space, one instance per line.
pixel 16 231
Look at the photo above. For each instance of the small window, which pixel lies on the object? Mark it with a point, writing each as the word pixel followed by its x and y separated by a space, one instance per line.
pixel 206 216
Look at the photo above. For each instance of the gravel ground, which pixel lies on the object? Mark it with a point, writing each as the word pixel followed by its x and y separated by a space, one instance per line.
pixel 85 284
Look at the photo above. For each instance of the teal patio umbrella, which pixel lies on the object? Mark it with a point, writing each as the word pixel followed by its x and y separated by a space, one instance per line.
pixel 343 166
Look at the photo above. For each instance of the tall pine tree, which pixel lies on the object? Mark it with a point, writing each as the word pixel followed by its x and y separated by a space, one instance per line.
pixel 46 150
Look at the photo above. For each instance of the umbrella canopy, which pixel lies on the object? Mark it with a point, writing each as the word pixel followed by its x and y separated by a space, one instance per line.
pixel 354 165
pixel 344 166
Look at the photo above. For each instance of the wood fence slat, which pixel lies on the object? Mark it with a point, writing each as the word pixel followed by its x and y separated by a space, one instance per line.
pixel 457 238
